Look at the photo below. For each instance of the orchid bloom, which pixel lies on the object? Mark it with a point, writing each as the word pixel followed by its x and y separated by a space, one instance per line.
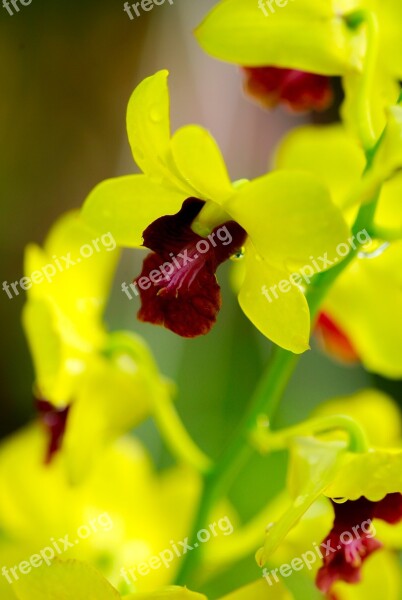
pixel 132 512
pixel 78 364
pixel 358 40
pixel 364 486
pixel 187 212
pixel 75 580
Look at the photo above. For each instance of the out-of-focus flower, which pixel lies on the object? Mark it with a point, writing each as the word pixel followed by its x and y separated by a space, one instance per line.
pixel 189 166
pixel 75 580
pixel 120 516
pixel 95 384
pixel 258 591
pixel 363 486
pixel 366 301
pixel 334 340
pixel 299 91
pixel 358 316
pixel 356 39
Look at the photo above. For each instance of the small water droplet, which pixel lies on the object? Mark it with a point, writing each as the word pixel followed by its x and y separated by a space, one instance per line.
pixel 155 115
pixel 239 254
pixel 340 500
pixel 374 249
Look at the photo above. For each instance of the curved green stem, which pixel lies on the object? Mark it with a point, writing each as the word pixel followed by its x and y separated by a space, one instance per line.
pixel 364 116
pixel 173 431
pixel 267 440
pixel 176 436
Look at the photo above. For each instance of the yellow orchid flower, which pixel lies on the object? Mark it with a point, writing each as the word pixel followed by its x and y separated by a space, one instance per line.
pixel 187 211
pixel 358 317
pixel 116 520
pixel 79 365
pixel 288 48
pixel 365 303
pixel 74 580
pixel 63 314
pixel 364 486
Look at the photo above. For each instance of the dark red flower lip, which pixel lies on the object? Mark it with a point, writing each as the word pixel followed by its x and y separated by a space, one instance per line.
pixel 54 421
pixel 177 284
pixel 351 539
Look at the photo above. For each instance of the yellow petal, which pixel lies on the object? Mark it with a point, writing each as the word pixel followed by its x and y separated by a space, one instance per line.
pixel 169 593
pixel 366 302
pixel 282 317
pixel 310 35
pixel 259 590
pixel 290 219
pixel 148 124
pixel 126 206
pixel 327 152
pixel 98 415
pixel 62 315
pixel 371 474
pixel 65 580
pixel 372 585
pixel 77 267
pixel 201 164
pixel 389 16
pixel 58 362
pixel 389 210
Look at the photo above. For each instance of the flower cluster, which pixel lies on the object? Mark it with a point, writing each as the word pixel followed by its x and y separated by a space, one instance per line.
pixel 94 386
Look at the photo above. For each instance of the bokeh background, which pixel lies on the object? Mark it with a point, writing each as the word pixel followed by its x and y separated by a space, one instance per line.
pixel 67 70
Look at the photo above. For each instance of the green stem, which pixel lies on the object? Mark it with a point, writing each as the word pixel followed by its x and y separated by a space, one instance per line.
pixel 268 440
pixel 385 233
pixel 173 431
pixel 266 399
pixel 176 436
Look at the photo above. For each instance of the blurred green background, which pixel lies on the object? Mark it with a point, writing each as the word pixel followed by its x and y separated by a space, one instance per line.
pixel 67 71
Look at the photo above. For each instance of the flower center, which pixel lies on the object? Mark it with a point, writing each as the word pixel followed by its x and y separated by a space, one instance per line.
pixel 351 539
pixel 177 285
pixel 54 420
